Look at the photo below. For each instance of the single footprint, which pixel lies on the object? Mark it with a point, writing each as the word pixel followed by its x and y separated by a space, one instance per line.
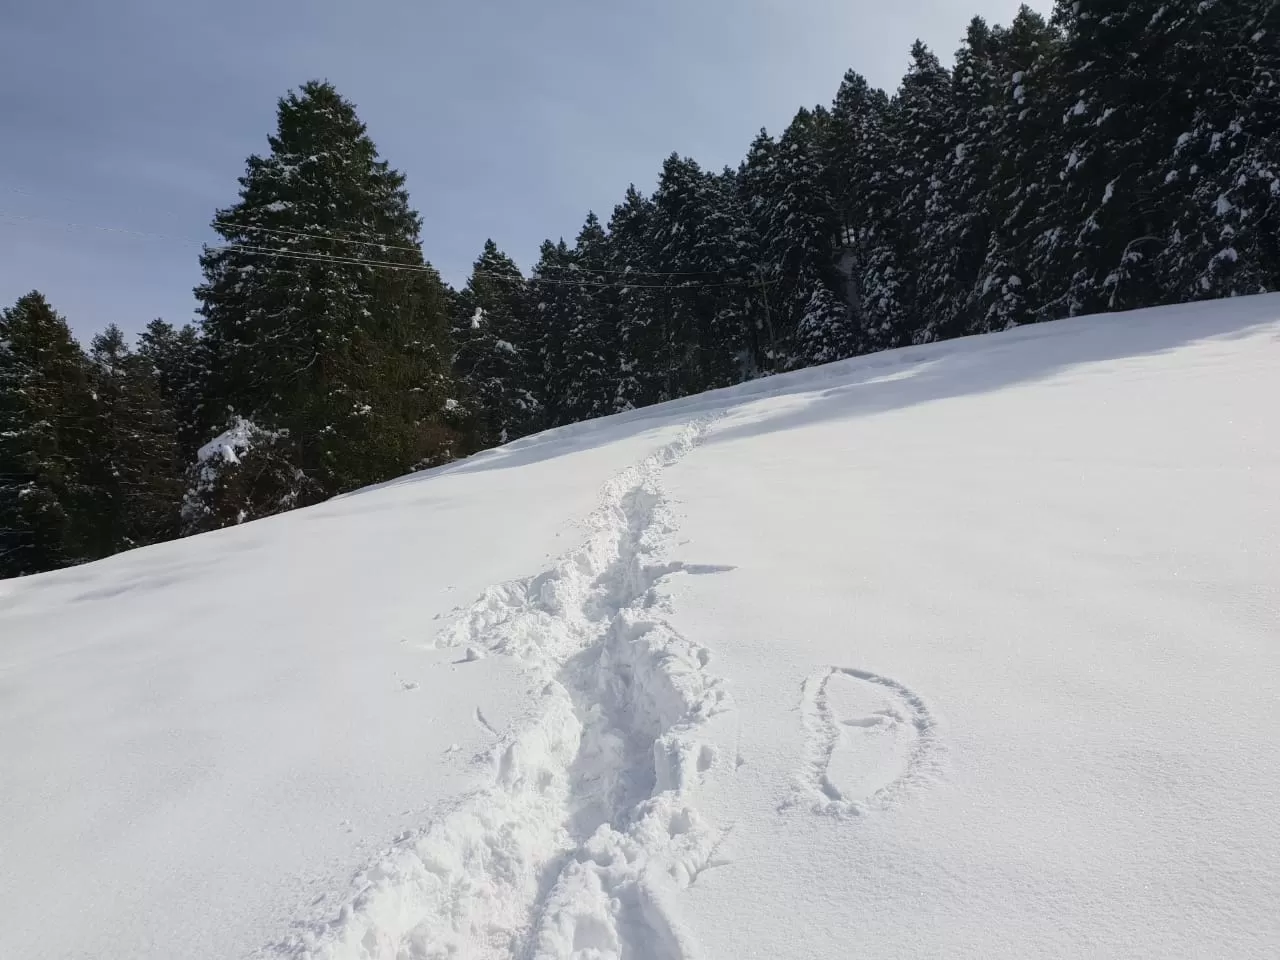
pixel 867 734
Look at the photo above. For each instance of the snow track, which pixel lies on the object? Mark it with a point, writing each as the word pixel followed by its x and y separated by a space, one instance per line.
pixel 586 829
pixel 868 737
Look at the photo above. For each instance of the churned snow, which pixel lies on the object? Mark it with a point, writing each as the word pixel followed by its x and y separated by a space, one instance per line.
pixel 965 650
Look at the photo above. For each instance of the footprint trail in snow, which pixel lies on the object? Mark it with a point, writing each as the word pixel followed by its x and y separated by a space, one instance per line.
pixel 586 830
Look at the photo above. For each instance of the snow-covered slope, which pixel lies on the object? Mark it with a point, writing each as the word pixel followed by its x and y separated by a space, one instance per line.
pixel 969 650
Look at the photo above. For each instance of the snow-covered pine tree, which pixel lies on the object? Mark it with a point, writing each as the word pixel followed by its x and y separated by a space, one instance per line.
pixel 1122 112
pixel 758 185
pixel 320 318
pixel 824 331
pixel 1226 236
pixel 135 469
pixel 632 256
pixel 922 135
pixel 492 360
pixel 958 224
pixel 918 137
pixel 553 301
pixel 800 233
pixel 589 351
pixel 855 147
pixel 707 252
pixel 864 191
pixel 1027 131
pixel 244 473
pixel 174 358
pixel 46 436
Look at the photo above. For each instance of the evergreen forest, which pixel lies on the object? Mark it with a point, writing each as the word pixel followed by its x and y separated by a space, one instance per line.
pixel 1114 155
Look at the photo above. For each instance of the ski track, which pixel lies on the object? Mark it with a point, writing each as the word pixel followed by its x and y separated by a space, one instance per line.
pixel 868 738
pixel 585 831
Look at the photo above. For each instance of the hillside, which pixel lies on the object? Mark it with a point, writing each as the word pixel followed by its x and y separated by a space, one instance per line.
pixel 965 650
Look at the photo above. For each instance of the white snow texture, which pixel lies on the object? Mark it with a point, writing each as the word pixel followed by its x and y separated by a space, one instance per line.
pixel 587 821
pixel 965 650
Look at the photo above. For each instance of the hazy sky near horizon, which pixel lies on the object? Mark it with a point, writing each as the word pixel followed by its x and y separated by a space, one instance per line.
pixel 511 120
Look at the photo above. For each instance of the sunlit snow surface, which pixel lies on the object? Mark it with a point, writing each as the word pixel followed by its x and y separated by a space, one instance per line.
pixel 968 650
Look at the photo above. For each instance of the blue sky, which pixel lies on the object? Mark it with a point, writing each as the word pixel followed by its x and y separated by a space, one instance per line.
pixel 511 119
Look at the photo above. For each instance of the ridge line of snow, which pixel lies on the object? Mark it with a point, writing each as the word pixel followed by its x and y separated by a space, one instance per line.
pixel 583 834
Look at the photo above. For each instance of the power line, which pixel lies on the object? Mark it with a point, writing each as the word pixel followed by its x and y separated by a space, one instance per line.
pixel 353 237
pixel 337 259
pixel 314 257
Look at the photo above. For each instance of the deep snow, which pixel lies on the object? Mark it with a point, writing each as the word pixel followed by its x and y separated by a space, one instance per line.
pixel 967 650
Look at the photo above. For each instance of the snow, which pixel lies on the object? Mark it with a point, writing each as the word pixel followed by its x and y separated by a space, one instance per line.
pixel 231 443
pixel 963 650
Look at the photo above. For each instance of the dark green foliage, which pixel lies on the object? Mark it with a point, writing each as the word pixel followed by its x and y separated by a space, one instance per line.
pixel 308 326
pixel 47 501
pixel 589 357
pixel 638 302
pixel 862 187
pixel 705 249
pixel 175 359
pixel 135 469
pixel 799 232
pixel 1226 163
pixel 493 360
pixel 1025 125
pixel 958 224
pixel 1119 119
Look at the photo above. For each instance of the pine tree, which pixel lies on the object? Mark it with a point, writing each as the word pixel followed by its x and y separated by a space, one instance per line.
pixel 824 331
pixel 589 353
pixel 491 331
pixel 760 184
pixel 706 251
pixel 320 318
pixel 801 230
pixel 1026 133
pixel 135 468
pixel 918 137
pixel 554 305
pixel 854 151
pixel 1109 221
pixel 632 259
pixel 922 135
pixel 958 222
pixel 46 417
pixel 1226 235
pixel 174 358
pixel 864 190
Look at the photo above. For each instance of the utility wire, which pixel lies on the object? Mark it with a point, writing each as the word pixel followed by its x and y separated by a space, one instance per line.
pixel 374 241
pixel 312 257
pixel 352 237
pixel 316 256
